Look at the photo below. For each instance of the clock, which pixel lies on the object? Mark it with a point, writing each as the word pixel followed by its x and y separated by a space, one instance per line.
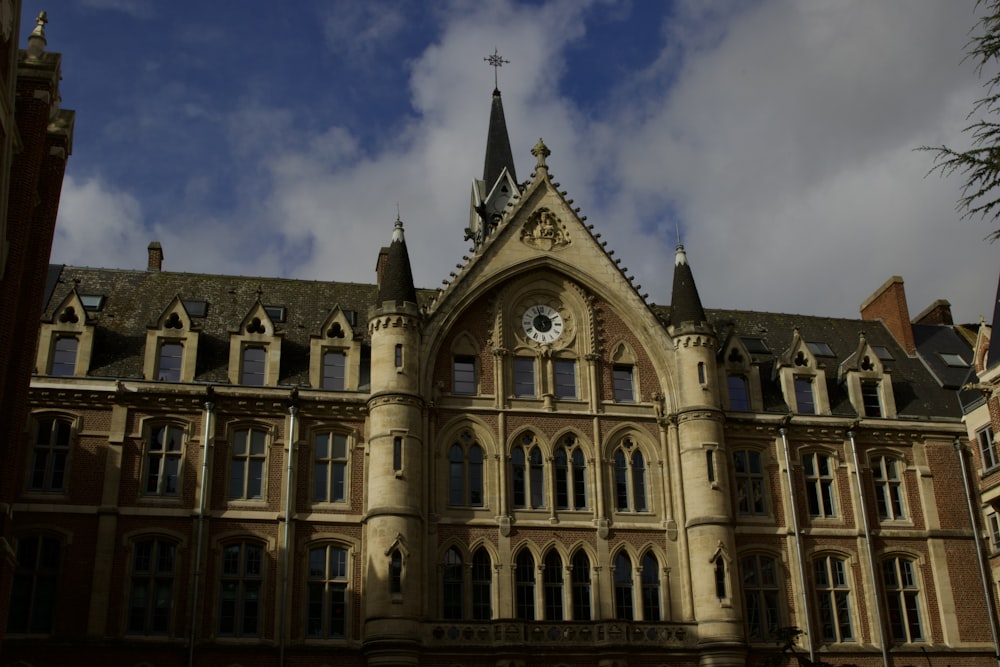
pixel 542 324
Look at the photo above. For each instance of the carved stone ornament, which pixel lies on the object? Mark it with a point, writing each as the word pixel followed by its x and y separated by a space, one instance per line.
pixel 544 231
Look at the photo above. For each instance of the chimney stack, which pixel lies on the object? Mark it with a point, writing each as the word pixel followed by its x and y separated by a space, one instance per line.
pixel 938 312
pixel 888 304
pixel 155 257
pixel 383 255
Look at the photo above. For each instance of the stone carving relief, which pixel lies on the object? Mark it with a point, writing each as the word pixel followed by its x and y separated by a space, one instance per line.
pixel 544 231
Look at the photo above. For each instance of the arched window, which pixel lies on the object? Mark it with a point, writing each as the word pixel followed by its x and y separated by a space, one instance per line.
pixel 524 579
pixel 247 465
pixel 396 572
pixel 571 475
pixel 465 472
pixel 650 587
pixel 721 580
pixel 482 585
pixel 749 481
pixel 34 589
pixel 453 590
pixel 760 596
pixel 164 452
pixel 552 580
pixel 330 458
pixel 624 605
pixel 818 470
pixel 151 596
pixel 888 479
pixel 240 589
pixel 833 593
pixel 327 605
pixel 902 594
pixel 50 454
pixel 630 478
pixel 581 587
pixel 528 474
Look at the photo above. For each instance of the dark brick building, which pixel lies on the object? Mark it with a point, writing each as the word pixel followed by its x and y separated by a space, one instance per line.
pixel 35 141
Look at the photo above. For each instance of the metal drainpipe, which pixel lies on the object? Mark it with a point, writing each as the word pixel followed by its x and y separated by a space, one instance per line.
pixel 798 544
pixel 869 549
pixel 289 494
pixel 207 447
pixel 979 552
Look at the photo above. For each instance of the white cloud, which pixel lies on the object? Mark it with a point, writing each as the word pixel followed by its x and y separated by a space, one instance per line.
pixel 778 133
pixel 98 226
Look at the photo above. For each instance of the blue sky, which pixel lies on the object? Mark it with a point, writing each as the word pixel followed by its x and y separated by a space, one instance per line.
pixel 266 138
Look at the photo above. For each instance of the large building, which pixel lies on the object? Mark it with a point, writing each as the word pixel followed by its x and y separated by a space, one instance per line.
pixel 36 138
pixel 531 466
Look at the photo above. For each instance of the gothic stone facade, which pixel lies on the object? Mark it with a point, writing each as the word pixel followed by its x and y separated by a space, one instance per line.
pixel 532 466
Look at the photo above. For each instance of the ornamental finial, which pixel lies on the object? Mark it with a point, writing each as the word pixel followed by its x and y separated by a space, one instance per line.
pixel 36 40
pixel 541 151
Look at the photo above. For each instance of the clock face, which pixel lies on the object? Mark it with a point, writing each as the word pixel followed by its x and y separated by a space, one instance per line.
pixel 542 324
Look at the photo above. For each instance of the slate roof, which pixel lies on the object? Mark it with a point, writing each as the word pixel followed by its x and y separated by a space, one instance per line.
pixel 498 153
pixel 136 299
pixel 917 393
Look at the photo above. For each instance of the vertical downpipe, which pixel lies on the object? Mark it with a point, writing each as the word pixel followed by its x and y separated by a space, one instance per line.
pixel 984 577
pixel 206 443
pixel 869 548
pixel 286 557
pixel 800 558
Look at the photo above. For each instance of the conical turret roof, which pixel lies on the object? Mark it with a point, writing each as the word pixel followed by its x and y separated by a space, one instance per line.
pixel 685 304
pixel 397 277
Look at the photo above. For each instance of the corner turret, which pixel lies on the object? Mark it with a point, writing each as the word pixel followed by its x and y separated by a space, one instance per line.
pixel 685 304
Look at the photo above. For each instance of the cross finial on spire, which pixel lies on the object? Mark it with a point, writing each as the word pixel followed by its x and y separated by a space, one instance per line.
pixel 496 61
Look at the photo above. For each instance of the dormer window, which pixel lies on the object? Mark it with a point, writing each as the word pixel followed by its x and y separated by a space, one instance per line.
pixel 334 370
pixel 869 385
pixel 739 393
pixel 803 381
pixel 253 366
pixel 805 399
pixel 171 346
pixel 870 399
pixel 255 350
pixel 168 366
pixel 65 342
pixel 335 355
pixel 741 375
pixel 64 356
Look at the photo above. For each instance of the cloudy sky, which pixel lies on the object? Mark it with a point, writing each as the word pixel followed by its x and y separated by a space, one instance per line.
pixel 776 136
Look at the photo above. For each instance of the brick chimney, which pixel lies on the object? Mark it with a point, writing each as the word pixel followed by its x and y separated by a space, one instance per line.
pixel 155 257
pixel 888 304
pixel 383 255
pixel 938 312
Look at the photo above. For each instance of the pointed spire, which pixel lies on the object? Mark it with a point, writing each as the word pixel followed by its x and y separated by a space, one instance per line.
pixel 498 153
pixel 685 304
pixel 396 282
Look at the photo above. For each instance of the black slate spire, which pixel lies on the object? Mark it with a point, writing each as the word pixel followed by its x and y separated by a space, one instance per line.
pixel 498 153
pixel 685 304
pixel 396 282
